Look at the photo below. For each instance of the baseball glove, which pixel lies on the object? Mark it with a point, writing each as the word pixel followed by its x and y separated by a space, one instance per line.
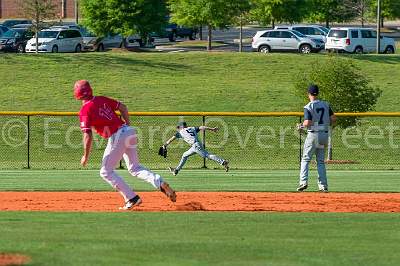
pixel 300 128
pixel 163 151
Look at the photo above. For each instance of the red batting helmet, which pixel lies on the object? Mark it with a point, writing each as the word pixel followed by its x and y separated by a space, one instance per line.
pixel 82 90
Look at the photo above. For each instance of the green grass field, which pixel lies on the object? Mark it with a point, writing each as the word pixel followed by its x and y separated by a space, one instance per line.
pixel 201 180
pixel 215 82
pixel 199 238
pixel 163 82
pixel 202 238
pixel 187 82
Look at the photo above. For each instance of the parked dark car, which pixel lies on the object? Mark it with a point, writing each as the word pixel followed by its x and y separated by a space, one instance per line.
pixel 180 31
pixel 12 22
pixel 15 40
pixel 172 31
pixel 3 29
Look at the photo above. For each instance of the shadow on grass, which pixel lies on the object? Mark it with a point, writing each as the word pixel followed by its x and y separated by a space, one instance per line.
pixel 109 59
pixel 386 59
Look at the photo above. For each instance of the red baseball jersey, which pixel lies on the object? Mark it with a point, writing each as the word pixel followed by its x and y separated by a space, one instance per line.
pixel 99 113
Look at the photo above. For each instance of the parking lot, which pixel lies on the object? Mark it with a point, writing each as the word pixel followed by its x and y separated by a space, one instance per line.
pixel 223 40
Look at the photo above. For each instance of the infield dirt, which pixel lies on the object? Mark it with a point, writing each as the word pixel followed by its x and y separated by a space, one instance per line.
pixel 203 201
pixel 13 259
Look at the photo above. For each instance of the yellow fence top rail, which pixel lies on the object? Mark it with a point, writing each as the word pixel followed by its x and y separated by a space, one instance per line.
pixel 234 114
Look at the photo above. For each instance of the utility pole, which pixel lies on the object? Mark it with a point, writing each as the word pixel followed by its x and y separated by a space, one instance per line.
pixel 378 28
pixel 77 11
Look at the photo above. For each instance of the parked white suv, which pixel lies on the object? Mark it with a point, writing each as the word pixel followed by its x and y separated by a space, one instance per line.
pixel 357 40
pixel 285 40
pixel 57 39
pixel 314 31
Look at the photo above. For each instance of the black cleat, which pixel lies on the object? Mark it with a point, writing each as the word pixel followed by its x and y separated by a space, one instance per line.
pixel 302 187
pixel 226 166
pixel 136 201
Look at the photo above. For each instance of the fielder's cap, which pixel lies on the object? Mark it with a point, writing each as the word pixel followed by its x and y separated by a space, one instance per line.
pixel 313 90
pixel 182 124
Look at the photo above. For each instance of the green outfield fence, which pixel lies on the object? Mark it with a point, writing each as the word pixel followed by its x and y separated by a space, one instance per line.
pixel 249 140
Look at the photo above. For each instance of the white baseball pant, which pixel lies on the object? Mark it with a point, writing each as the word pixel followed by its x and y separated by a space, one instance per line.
pixel 123 144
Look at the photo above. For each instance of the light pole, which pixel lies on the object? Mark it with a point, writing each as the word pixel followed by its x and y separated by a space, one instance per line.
pixel 378 28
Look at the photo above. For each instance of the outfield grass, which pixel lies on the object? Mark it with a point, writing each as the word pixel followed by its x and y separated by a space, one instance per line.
pixel 186 82
pixel 202 180
pixel 194 81
pixel 202 238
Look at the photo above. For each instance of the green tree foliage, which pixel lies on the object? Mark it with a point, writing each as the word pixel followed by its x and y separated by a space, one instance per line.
pixel 342 84
pixel 329 11
pixel 152 17
pixel 212 13
pixel 390 9
pixel 125 17
pixel 271 11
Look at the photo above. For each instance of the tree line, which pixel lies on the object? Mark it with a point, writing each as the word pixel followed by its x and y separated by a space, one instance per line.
pixel 128 17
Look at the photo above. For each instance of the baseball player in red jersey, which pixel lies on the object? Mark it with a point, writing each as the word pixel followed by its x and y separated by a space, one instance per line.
pixel 98 113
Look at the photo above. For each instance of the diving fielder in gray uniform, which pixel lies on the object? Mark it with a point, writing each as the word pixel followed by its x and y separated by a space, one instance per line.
pixel 189 135
pixel 318 120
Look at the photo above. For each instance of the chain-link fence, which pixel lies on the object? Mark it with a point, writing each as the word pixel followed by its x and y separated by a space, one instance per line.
pixel 247 140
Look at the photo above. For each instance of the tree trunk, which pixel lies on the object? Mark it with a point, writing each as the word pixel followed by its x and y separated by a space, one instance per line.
pixel 124 43
pixel 327 24
pixel 37 41
pixel 273 23
pixel 201 33
pixel 209 38
pixel 362 16
pixel 76 12
pixel 37 28
pixel 382 22
pixel 241 35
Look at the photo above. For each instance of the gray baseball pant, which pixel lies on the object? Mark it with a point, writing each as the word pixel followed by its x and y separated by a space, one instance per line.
pixel 315 142
pixel 198 148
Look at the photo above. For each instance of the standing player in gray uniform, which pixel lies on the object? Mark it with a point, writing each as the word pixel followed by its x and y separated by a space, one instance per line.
pixel 318 119
pixel 189 135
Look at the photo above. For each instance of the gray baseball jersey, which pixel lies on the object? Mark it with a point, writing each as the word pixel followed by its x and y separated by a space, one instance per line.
pixel 319 112
pixel 189 135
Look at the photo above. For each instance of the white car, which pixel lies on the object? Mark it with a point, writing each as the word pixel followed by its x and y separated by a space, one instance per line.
pixel 285 40
pixel 94 43
pixel 313 31
pixel 357 40
pixel 54 40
